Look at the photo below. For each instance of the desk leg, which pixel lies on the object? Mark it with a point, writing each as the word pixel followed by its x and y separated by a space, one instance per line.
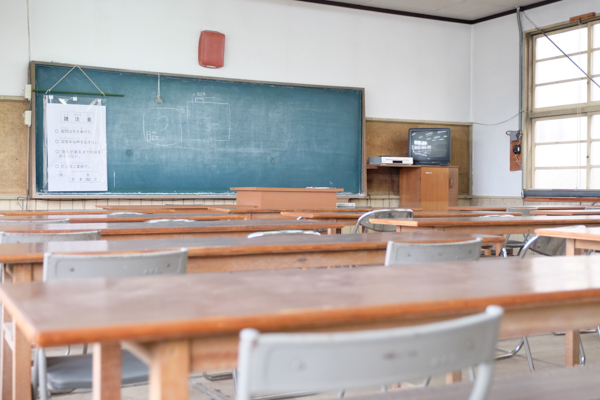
pixel 572 354
pixel 107 371
pixel 21 357
pixel 170 370
pixel 21 353
pixel 454 376
pixel 570 247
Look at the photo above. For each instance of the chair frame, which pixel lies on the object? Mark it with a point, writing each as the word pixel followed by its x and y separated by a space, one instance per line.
pixel 373 214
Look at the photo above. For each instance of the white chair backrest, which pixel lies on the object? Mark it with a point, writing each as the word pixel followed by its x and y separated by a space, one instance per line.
pixel 420 253
pixel 77 266
pixel 283 232
pixel 364 220
pixel 282 362
pixel 124 213
pixel 31 222
pixel 21 237
pixel 525 212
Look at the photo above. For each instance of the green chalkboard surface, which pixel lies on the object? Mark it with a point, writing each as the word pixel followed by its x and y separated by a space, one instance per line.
pixel 209 135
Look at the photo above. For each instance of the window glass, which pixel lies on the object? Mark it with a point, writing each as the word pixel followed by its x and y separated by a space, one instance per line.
pixel 561 155
pixel 572 41
pixel 560 179
pixel 595 178
pixel 561 130
pixel 595 153
pixel 560 69
pixel 560 94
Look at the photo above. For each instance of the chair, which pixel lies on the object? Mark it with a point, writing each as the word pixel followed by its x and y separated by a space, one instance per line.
pixel 294 362
pixel 418 253
pixel 24 237
pixel 283 232
pixel 75 372
pixel 365 219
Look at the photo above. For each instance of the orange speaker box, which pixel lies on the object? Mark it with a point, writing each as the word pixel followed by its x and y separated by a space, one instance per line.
pixel 211 49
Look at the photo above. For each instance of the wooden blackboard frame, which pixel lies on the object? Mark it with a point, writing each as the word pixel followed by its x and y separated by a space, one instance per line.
pixel 44 195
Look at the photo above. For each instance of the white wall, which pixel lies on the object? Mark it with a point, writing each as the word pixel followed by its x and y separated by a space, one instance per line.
pixel 411 68
pixel 13 47
pixel 495 92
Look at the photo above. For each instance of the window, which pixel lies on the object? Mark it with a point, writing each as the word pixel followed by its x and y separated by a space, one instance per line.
pixel 564 124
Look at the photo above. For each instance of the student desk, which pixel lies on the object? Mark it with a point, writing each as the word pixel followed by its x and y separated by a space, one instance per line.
pixel 275 213
pixel 108 218
pixel 492 226
pixel 173 229
pixel 189 323
pixel 86 212
pixel 566 212
pixel 473 208
pixel 239 254
pixel 578 238
pixel 350 217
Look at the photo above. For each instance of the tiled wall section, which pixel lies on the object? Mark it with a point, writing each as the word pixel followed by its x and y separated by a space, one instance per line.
pixel 373 201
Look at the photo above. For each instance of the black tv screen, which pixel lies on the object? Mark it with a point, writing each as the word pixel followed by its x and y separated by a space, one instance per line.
pixel 429 146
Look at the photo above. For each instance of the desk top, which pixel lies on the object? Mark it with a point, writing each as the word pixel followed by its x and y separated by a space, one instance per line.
pixel 277 244
pixel 566 212
pixel 111 218
pixel 417 214
pixel 572 232
pixel 160 307
pixel 476 221
pixel 246 210
pixel 473 208
pixel 126 228
pixel 84 212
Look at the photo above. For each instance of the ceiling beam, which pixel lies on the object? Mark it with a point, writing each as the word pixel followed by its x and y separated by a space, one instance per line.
pixel 426 16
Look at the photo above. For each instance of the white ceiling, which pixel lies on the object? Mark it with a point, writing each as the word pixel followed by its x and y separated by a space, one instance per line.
pixel 467 10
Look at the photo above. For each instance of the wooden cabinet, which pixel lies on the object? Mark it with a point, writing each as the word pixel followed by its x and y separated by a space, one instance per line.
pixel 428 187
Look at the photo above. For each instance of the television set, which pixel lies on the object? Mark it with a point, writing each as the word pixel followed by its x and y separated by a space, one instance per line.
pixel 429 146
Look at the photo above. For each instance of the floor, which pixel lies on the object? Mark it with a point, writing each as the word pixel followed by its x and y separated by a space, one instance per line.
pixel 548 353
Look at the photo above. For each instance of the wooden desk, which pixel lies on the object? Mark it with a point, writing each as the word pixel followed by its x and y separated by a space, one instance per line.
pixel 277 213
pixel 238 253
pixel 173 230
pixel 566 212
pixel 492 226
pixel 473 208
pixel 86 212
pixel 176 330
pixel 108 218
pixel 350 217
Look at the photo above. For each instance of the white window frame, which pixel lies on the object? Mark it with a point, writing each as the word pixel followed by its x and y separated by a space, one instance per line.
pixel 531 115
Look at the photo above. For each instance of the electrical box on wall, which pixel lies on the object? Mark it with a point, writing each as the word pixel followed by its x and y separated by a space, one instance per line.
pixel 211 49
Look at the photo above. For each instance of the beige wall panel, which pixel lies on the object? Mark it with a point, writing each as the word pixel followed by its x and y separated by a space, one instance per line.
pixel 13 148
pixel 390 138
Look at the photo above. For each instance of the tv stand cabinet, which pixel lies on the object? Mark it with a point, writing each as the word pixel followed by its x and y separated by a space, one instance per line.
pixel 431 188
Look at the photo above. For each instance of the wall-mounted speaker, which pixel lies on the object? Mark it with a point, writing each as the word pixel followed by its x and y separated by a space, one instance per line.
pixel 211 49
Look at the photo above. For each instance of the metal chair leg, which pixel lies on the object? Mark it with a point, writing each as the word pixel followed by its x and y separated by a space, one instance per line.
pixel 528 353
pixel 515 350
pixel 219 376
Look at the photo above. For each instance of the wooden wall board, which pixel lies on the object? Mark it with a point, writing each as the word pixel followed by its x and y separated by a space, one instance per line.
pixel 390 137
pixel 13 151
pixel 514 165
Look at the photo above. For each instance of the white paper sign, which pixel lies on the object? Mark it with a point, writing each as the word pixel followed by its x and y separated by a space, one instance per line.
pixel 76 147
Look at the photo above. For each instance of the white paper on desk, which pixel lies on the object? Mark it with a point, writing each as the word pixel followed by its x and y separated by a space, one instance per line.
pixel 76 147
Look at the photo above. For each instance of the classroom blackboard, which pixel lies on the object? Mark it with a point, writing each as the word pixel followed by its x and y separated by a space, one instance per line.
pixel 209 134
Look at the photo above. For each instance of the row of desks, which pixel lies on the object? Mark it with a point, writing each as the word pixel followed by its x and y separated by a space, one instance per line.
pixel 189 323
pixel 202 330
